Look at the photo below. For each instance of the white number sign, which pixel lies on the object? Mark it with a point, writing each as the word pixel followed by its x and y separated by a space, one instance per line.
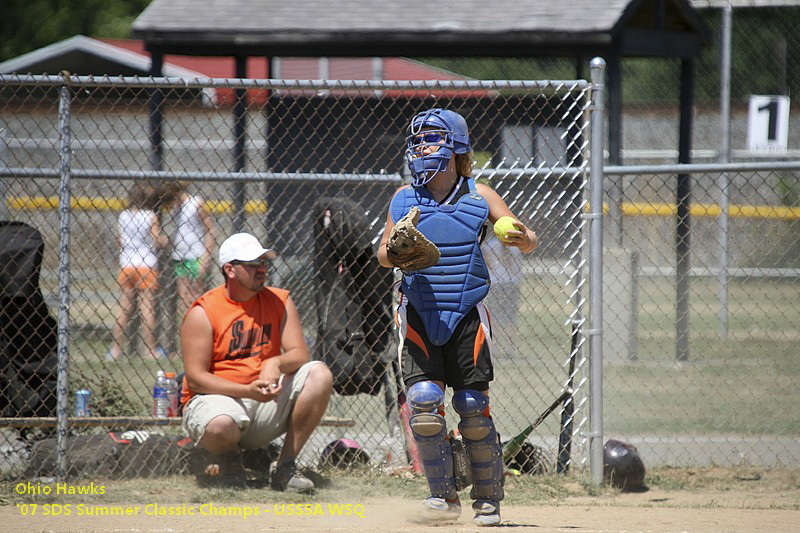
pixel 768 123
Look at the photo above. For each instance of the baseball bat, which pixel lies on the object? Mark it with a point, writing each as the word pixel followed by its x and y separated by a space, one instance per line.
pixel 568 412
pixel 512 447
pixel 405 417
pixel 411 444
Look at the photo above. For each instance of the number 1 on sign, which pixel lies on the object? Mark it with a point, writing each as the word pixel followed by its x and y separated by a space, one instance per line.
pixel 768 123
pixel 772 112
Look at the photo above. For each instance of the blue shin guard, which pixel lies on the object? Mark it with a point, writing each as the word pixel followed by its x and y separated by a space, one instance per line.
pixel 482 443
pixel 430 432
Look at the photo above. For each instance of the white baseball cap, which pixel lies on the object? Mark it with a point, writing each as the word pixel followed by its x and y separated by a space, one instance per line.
pixel 243 247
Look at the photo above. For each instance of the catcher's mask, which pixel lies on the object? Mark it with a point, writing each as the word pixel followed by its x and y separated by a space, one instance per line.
pixel 438 128
pixel 622 465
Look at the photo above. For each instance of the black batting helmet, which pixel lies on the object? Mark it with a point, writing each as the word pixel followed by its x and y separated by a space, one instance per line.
pixel 622 465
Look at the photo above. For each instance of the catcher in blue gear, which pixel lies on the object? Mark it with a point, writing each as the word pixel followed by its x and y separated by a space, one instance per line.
pixel 433 233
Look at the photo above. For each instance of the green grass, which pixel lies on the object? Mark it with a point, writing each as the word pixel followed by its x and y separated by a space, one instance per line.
pixel 744 384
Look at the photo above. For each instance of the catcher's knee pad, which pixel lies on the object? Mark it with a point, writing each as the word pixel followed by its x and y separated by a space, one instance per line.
pixel 430 432
pixel 482 443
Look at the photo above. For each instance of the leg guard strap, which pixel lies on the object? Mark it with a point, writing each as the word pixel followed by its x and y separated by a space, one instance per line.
pixel 430 432
pixel 483 445
pixel 435 453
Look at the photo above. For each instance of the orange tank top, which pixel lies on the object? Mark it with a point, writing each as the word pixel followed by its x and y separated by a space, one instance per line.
pixel 245 333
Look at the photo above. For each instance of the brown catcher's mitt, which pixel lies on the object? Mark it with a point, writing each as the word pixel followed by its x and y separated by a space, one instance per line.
pixel 407 248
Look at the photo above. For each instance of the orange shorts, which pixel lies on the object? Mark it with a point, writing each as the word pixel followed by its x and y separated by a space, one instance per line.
pixel 138 278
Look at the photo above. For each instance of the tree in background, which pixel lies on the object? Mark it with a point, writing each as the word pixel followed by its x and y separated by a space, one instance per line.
pixel 26 25
pixel 765 54
pixel 765 60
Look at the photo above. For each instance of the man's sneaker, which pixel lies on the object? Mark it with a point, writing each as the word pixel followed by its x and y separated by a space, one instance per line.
pixel 285 477
pixel 441 510
pixel 223 471
pixel 487 512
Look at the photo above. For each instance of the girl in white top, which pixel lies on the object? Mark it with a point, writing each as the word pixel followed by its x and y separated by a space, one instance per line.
pixel 138 236
pixel 137 242
pixel 192 242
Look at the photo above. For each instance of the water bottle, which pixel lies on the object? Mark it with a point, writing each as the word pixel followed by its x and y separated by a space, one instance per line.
pixel 83 403
pixel 160 399
pixel 172 394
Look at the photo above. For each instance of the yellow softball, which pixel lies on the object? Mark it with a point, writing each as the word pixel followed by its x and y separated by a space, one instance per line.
pixel 503 226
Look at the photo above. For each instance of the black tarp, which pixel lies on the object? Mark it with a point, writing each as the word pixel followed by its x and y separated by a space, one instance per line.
pixel 353 297
pixel 28 333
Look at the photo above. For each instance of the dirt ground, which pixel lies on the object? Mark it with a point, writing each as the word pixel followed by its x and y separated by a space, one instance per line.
pixel 396 517
pixel 695 503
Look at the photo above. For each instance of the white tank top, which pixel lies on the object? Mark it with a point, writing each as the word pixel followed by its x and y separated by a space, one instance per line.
pixel 187 243
pixel 137 246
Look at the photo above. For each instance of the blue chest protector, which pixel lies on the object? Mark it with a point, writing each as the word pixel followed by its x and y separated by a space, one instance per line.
pixel 444 293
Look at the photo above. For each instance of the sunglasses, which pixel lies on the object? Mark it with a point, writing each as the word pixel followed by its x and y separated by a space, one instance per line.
pixel 253 264
pixel 429 138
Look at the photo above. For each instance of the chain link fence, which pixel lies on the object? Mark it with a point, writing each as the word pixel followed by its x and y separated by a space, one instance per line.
pixel 728 290
pixel 307 167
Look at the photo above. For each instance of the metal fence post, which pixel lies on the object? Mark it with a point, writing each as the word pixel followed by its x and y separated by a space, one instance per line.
pixel 724 157
pixel 596 272
pixel 65 152
pixel 683 215
pixel 155 112
pixel 4 215
pixel 240 146
pixel 633 331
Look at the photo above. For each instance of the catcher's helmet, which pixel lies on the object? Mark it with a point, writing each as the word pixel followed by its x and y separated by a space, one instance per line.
pixel 444 129
pixel 622 466
pixel 531 459
pixel 343 453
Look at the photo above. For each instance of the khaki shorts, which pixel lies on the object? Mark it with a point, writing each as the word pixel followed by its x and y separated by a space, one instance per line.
pixel 260 422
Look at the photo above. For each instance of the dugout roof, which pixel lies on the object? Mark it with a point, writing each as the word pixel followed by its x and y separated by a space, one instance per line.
pixel 416 28
pixel 580 29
